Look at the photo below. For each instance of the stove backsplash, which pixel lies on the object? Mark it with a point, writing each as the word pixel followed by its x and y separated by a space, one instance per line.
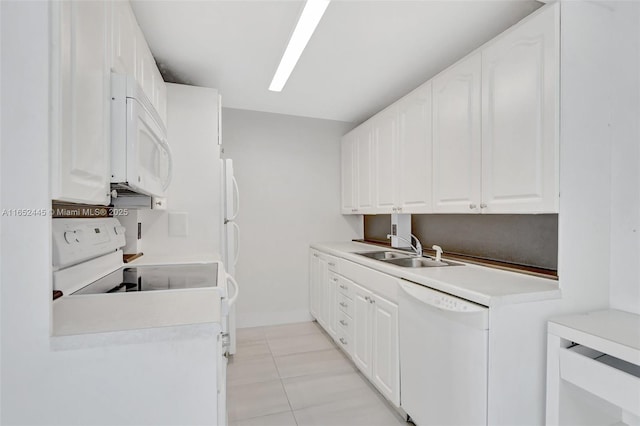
pixel 522 239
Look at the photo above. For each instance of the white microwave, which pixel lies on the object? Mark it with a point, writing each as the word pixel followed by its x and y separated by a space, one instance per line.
pixel 140 154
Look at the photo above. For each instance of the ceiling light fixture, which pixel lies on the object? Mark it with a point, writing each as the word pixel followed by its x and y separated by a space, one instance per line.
pixel 309 19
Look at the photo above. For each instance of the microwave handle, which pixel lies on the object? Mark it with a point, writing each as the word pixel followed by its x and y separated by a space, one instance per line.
pixel 233 282
pixel 163 143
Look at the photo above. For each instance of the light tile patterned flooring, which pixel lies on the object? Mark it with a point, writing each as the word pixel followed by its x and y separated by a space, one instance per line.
pixel 293 374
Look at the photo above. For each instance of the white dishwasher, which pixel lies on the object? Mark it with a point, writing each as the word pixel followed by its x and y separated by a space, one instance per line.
pixel 443 357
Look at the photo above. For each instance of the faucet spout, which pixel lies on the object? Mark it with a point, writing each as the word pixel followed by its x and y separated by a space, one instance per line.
pixel 417 248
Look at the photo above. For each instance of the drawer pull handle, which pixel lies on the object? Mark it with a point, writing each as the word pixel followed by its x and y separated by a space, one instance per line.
pixel 332 264
pixel 344 305
pixel 367 299
pixel 344 342
pixel 343 322
pixel 315 254
pixel 342 286
pixel 335 280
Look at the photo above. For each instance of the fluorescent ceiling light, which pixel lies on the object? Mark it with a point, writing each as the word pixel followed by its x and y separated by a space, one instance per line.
pixel 311 15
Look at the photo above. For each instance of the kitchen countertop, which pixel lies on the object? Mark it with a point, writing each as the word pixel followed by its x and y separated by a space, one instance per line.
pixel 99 313
pixel 482 285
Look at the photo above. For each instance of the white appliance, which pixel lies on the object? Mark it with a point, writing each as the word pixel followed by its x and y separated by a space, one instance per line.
pixel 140 155
pixel 443 357
pixel 231 234
pixel 87 262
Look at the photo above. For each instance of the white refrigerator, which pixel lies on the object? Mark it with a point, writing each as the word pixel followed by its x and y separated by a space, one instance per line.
pixel 231 235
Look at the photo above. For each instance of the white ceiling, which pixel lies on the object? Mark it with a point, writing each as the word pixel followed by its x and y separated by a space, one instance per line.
pixel 364 55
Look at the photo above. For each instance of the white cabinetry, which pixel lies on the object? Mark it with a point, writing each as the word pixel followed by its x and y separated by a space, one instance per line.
pixel 362 321
pixel 520 117
pixel 414 150
pixel 323 294
pixel 123 38
pixel 457 138
pixel 375 341
pixel 385 135
pixel 480 137
pixel 80 148
pixel 357 171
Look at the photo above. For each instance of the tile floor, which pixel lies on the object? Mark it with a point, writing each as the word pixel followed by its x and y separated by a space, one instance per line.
pixel 294 374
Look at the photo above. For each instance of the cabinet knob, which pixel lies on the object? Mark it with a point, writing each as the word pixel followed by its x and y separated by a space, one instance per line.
pixel 483 206
pixel 344 342
pixel 342 286
pixel 343 322
pixel 472 206
pixel 344 305
pixel 332 264
pixel 399 209
pixel 315 254
pixel 366 298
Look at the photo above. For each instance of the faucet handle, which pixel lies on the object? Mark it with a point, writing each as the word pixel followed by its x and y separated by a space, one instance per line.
pixel 438 250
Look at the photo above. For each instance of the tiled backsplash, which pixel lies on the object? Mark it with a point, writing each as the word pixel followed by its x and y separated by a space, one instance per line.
pixel 530 240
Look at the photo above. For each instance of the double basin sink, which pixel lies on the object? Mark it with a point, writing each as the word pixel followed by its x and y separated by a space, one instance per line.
pixel 405 260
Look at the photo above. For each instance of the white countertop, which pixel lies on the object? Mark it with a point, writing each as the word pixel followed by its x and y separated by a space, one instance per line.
pixel 486 286
pixel 610 331
pixel 98 313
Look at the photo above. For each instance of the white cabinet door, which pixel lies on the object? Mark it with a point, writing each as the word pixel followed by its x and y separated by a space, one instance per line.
pixel 123 38
pixel 365 172
pixel 385 366
pixel 384 128
pixel 145 65
pixel 349 172
pixel 414 151
pixel 331 305
pixel 520 118
pixel 362 329
pixel 457 138
pixel 80 151
pixel 315 284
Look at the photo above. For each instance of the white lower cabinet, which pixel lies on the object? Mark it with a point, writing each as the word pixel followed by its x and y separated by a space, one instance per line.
pixel 362 322
pixel 322 297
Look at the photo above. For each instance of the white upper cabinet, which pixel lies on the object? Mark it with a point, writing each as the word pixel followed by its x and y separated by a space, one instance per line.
pixel 80 150
pixel 349 172
pixel 123 38
pixel 357 171
pixel 414 150
pixel 457 137
pixel 520 117
pixel 365 174
pixel 384 129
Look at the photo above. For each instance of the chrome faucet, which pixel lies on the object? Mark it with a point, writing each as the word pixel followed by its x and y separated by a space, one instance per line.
pixel 417 248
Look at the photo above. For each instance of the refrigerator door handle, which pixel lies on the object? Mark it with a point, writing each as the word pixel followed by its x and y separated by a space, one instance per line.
pixel 236 242
pixel 236 207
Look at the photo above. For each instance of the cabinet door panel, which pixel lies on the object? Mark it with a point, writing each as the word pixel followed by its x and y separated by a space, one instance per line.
pixel 384 130
pixel 349 169
pixel 123 38
pixel 315 288
pixel 414 151
pixel 385 366
pixel 520 96
pixel 457 138
pixel 331 302
pixel 362 329
pixel 365 173
pixel 81 104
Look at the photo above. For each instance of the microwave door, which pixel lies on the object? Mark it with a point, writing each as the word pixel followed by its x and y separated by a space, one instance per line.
pixel 150 163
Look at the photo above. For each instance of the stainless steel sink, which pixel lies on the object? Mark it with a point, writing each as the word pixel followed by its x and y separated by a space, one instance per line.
pixel 385 255
pixel 406 260
pixel 419 262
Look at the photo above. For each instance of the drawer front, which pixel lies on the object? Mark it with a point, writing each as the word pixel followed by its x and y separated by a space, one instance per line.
pixel 332 263
pixel 345 287
pixel 344 340
pixel 345 304
pixel 346 322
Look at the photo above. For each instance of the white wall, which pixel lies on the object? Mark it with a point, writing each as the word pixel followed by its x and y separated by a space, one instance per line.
pixel 625 160
pixel 288 172
pixel 192 123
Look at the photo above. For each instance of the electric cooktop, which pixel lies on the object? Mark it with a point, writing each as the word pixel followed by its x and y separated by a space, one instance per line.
pixel 152 278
